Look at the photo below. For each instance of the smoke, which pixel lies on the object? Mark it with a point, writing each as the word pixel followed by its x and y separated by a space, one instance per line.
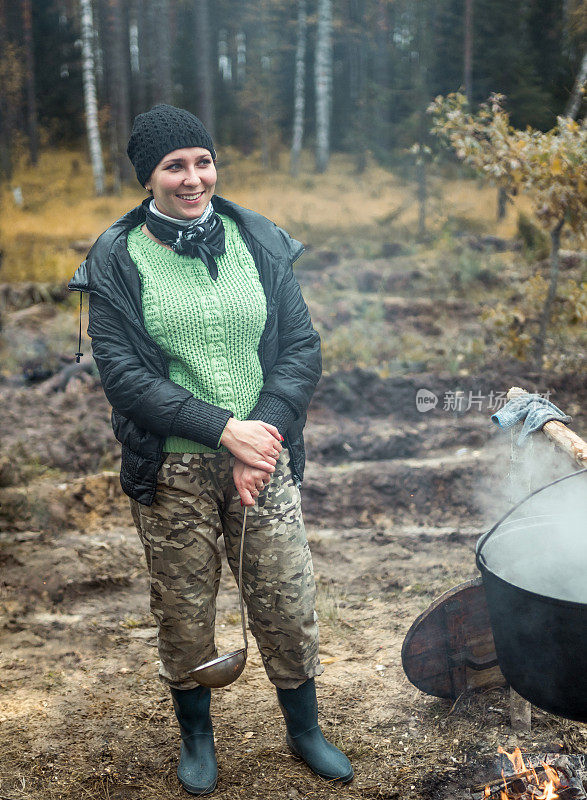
pixel 542 545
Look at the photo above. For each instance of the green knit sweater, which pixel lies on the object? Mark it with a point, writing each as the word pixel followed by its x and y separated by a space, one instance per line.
pixel 209 330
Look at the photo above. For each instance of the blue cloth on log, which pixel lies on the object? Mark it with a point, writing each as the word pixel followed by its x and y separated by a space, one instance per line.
pixel 534 409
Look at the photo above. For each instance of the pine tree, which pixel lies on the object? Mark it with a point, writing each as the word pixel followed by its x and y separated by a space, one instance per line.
pixel 357 46
pixel 118 89
pixel 31 99
pixel 468 60
pixel 163 83
pixel 203 61
pixel 10 89
pixel 381 79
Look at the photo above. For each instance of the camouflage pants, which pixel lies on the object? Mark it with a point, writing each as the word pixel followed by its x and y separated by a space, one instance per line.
pixel 196 502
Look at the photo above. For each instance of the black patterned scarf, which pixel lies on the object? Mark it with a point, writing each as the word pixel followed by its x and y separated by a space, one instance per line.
pixel 203 238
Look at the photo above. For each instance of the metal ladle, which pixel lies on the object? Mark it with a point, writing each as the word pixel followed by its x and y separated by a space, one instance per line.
pixel 224 670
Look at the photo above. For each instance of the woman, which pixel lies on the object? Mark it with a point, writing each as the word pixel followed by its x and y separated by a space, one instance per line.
pixel 207 354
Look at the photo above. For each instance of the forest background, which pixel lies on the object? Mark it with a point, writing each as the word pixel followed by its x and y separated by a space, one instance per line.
pixel 320 115
pixel 375 63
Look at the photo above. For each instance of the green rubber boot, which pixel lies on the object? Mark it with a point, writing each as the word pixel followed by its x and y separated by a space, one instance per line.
pixel 304 737
pixel 197 770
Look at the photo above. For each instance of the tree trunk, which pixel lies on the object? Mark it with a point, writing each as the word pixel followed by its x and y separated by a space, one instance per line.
pixel 423 124
pixel 264 94
pixel 323 83
pixel 299 89
pixel 6 107
pixel 163 81
pixel 90 100
pixel 382 77
pixel 502 201
pixel 422 197
pixel 577 94
pixel 224 59
pixel 358 48
pixel 204 76
pixel 468 60
pixel 31 100
pixel 119 94
pixel 539 344
pixel 98 14
pixel 138 72
pixel 241 58
pixel 146 24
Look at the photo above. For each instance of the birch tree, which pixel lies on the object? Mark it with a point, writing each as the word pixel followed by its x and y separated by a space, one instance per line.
pixel 578 93
pixel 323 83
pixel 90 98
pixel 241 57
pixel 138 67
pixel 299 89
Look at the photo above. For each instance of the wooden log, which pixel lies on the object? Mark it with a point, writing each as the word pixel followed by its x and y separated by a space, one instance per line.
pixel 499 782
pixel 81 245
pixel 23 295
pixel 520 713
pixel 59 381
pixel 559 433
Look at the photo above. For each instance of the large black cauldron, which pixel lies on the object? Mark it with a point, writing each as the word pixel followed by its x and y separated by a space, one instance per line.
pixel 534 571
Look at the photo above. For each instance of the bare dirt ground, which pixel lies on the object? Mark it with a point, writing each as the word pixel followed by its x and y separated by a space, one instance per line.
pixel 394 500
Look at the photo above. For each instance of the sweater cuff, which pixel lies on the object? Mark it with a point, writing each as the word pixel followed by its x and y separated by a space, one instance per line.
pixel 275 411
pixel 200 422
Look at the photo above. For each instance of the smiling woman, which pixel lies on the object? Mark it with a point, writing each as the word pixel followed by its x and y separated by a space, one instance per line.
pixel 183 183
pixel 208 356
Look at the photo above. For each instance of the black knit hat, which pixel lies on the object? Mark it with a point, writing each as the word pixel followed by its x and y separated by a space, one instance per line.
pixel 159 131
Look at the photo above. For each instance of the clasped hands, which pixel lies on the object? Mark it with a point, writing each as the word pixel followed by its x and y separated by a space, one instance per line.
pixel 256 446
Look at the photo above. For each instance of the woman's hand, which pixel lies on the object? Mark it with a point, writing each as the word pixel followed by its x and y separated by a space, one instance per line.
pixel 256 443
pixel 249 481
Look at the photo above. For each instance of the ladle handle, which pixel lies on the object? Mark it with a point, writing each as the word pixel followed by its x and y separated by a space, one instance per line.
pixel 240 579
pixel 486 536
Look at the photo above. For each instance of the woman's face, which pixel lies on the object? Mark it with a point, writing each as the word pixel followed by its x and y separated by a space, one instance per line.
pixel 183 182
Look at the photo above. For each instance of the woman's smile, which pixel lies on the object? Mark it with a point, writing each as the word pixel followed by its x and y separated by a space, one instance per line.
pixel 190 197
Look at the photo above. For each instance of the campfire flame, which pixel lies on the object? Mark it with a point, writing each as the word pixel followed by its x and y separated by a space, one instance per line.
pixel 538 788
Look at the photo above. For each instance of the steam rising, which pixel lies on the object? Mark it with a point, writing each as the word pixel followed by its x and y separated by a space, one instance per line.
pixel 542 546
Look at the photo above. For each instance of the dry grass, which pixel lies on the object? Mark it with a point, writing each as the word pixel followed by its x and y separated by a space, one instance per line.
pixel 60 207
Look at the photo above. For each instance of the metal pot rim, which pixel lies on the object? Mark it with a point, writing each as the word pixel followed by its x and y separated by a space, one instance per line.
pixel 544 598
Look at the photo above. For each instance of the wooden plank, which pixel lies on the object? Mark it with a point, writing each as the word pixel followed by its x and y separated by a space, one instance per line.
pixel 449 649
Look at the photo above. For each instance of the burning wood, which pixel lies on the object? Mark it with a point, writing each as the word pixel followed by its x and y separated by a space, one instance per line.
pixel 554 778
